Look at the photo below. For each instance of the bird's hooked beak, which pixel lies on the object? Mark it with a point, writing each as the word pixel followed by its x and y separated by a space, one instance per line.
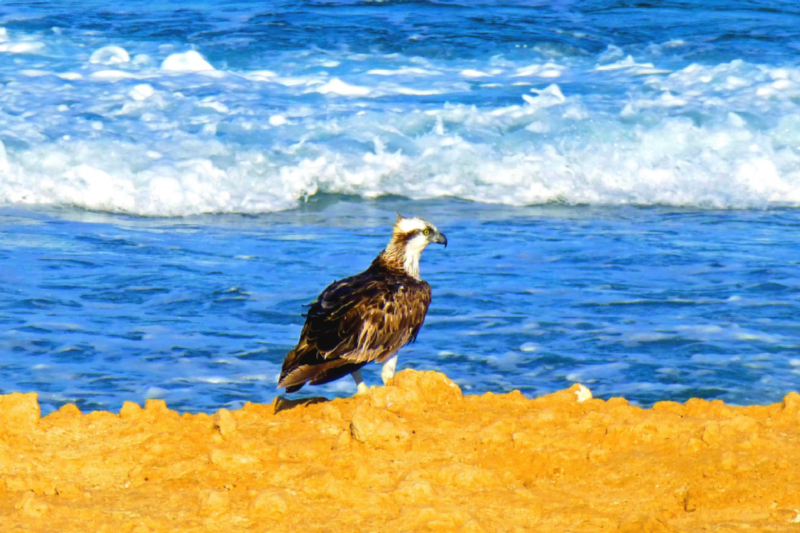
pixel 439 238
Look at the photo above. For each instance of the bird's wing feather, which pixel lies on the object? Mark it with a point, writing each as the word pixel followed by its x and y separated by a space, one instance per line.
pixel 362 319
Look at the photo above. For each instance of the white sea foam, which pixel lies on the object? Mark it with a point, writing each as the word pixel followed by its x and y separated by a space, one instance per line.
pixel 472 73
pixel 337 86
pixel 261 75
pixel 277 120
pixel 70 76
pixel 24 47
pixel 626 63
pixel 129 135
pixel 34 73
pixel 155 392
pixel 110 55
pixel 112 75
pixel 675 163
pixel 190 61
pixel 413 71
pixel 142 91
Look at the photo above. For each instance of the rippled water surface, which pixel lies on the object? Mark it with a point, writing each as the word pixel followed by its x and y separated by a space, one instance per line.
pixel 619 182
pixel 649 303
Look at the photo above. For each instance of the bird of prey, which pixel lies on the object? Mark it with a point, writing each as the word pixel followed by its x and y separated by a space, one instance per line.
pixel 367 317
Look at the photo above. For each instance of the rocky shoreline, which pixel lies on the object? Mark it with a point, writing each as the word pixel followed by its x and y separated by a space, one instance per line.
pixel 413 456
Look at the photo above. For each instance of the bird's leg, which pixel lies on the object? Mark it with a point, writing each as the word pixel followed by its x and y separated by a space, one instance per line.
pixel 387 372
pixel 360 385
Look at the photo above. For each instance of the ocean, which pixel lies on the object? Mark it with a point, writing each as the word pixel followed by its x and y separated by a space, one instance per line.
pixel 619 183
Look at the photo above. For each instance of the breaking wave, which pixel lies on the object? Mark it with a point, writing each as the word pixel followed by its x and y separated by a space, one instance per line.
pixel 132 131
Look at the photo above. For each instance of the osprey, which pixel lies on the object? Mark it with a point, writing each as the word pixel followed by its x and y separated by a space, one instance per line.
pixel 366 317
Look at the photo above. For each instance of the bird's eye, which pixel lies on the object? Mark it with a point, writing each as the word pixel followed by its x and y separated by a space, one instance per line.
pixel 426 231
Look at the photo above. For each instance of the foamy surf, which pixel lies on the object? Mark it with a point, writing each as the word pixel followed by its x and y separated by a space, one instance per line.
pixel 146 128
pixel 422 155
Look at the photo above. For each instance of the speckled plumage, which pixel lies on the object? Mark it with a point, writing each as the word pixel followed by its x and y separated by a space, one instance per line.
pixel 367 317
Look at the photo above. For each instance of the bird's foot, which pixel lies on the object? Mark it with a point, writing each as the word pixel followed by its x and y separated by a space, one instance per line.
pixel 362 388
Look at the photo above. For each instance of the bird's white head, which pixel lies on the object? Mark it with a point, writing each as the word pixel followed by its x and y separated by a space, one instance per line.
pixel 409 238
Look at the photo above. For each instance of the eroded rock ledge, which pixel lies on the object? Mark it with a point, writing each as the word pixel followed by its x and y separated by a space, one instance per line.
pixel 413 456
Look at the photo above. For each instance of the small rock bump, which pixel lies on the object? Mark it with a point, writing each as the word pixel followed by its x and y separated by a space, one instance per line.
pixel 225 423
pixel 269 503
pixel 214 502
pixel 130 411
pixel 378 428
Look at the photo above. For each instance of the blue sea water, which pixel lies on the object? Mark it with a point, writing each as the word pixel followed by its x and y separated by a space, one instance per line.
pixel 619 183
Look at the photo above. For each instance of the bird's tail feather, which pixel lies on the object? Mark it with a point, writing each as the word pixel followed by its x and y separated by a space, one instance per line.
pixel 293 379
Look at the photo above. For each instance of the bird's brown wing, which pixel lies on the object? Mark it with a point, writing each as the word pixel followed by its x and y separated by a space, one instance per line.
pixel 354 321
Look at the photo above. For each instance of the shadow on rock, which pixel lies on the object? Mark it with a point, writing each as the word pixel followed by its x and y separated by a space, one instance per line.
pixel 284 404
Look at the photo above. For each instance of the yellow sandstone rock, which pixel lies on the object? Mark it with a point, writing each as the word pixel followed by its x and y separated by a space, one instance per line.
pixel 415 455
pixel 19 412
pixel 225 423
pixel 379 428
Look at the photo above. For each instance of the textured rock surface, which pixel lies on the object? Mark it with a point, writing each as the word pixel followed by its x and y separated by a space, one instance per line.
pixel 413 456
